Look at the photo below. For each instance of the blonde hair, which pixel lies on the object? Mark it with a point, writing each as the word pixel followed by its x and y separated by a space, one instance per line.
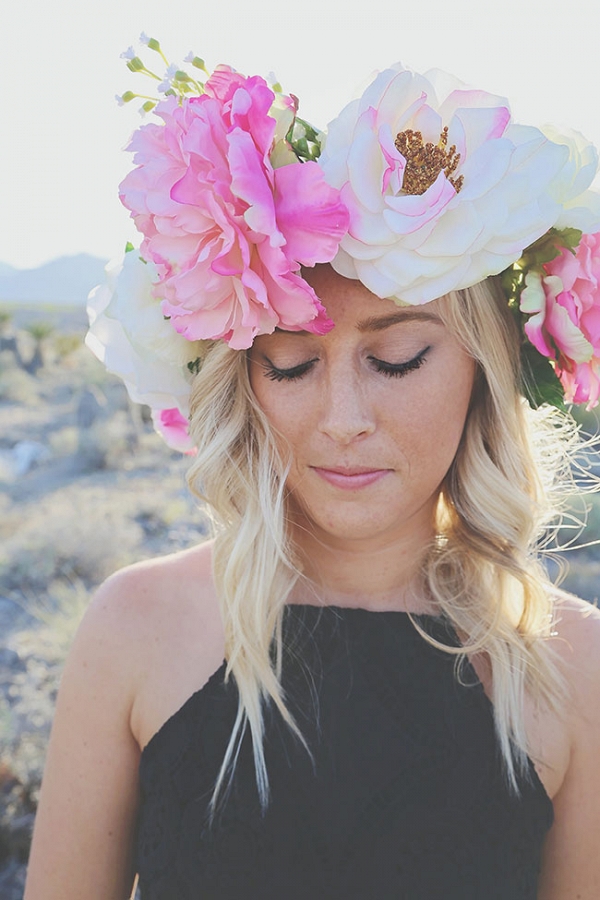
pixel 482 571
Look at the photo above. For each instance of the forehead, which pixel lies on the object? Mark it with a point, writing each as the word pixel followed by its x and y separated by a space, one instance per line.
pixel 349 303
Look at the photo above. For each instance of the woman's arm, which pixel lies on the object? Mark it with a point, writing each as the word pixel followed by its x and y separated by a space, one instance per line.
pixel 571 864
pixel 82 844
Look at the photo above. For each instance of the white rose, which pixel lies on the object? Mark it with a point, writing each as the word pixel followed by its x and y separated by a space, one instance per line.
pixel 581 207
pixel 435 218
pixel 130 335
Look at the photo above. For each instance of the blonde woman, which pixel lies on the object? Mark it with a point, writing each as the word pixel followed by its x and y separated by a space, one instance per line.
pixel 364 686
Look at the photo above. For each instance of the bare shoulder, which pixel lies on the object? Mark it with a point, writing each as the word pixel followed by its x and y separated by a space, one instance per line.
pixel 136 604
pixel 577 642
pixel 160 626
pixel 571 866
pixel 162 580
pixel 126 673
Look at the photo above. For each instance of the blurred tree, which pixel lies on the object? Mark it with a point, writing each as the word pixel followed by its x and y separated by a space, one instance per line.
pixel 40 332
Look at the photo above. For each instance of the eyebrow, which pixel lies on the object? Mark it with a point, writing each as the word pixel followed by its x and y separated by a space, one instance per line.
pixel 379 323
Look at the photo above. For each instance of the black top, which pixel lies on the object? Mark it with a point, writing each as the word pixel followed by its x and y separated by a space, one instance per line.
pixel 406 800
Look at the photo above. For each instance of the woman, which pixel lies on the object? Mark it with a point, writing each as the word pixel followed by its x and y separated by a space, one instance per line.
pixel 278 713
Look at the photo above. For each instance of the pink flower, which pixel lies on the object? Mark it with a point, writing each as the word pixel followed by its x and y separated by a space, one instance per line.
pixel 564 304
pixel 228 232
pixel 173 428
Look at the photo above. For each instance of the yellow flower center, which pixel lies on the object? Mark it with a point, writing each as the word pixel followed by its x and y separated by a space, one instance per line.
pixel 425 161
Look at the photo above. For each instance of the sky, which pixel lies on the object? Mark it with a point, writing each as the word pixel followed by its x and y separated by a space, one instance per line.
pixel 63 133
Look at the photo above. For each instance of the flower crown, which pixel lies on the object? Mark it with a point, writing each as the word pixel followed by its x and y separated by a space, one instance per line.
pixel 420 187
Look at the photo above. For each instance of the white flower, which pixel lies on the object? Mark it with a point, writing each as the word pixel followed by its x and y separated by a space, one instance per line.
pixel 144 39
pixel 128 54
pixel 581 207
pixel 434 210
pixel 130 335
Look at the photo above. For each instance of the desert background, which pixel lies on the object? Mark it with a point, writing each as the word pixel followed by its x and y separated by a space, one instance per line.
pixel 86 486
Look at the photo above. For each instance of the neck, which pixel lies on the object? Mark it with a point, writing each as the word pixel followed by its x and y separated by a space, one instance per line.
pixel 373 574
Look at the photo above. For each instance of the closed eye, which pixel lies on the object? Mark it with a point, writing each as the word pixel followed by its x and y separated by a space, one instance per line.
pixel 397 370
pixel 292 374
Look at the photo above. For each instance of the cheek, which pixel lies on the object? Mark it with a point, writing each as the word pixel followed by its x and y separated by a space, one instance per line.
pixel 287 410
pixel 438 415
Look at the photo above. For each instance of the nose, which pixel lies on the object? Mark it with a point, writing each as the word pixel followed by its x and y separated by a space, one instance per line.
pixel 346 413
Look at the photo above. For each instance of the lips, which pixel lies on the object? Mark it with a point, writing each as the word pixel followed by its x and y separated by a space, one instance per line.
pixel 350 470
pixel 350 477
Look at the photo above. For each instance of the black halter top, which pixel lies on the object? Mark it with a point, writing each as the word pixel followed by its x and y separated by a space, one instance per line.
pixel 404 799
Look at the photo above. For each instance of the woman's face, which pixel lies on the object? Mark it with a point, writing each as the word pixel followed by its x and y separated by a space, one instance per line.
pixel 372 412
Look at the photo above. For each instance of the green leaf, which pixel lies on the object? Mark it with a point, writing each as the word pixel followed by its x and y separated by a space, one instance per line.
pixel 194 366
pixel 570 238
pixel 129 247
pixel 550 245
pixel 540 381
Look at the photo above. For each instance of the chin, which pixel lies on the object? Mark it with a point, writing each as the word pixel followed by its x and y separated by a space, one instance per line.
pixel 349 525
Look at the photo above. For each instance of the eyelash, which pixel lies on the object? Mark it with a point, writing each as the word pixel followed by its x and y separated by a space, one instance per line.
pixel 391 370
pixel 397 370
pixel 293 374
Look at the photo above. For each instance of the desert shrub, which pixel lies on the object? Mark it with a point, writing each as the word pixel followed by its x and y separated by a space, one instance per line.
pixel 65 345
pixel 64 441
pixel 106 442
pixel 18 386
pixel 39 331
pixel 27 705
pixel 73 543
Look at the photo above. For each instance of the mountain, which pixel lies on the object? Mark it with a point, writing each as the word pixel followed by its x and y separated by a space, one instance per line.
pixel 5 269
pixel 65 281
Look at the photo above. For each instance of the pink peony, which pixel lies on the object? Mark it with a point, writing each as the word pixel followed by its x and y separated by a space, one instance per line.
pixel 228 232
pixel 173 428
pixel 564 304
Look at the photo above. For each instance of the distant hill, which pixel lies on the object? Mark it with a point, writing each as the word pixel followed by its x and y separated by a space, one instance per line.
pixel 5 269
pixel 65 281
